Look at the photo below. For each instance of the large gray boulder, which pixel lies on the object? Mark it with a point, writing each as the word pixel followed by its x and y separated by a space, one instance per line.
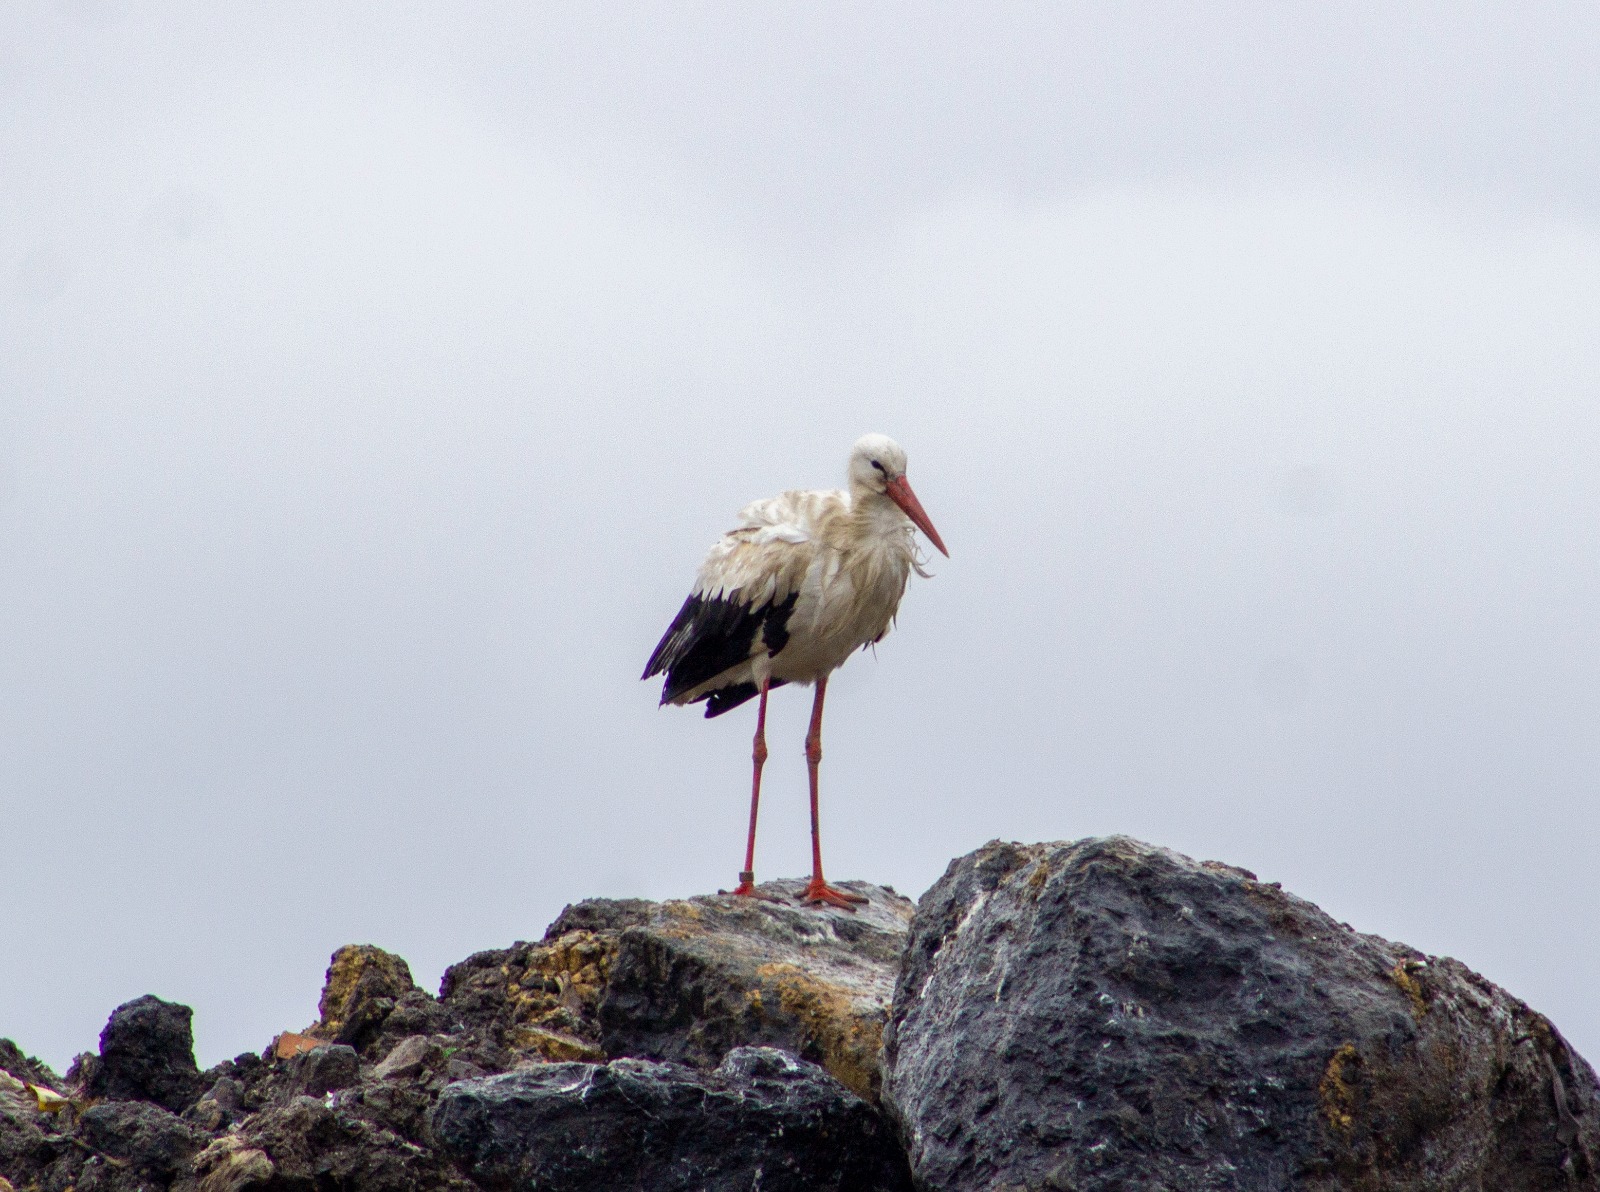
pixel 761 1120
pixel 1106 1015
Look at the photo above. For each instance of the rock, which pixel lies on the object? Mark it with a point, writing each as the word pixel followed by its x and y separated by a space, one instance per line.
pixel 228 1165
pixel 321 1070
pixel 403 1088
pixel 146 1054
pixel 1090 1016
pixel 207 1114
pixel 762 1119
pixel 369 1001
pixel 1108 1015
pixel 601 914
pixel 410 1057
pixel 244 1069
pixel 219 1105
pixel 688 981
pixel 25 1067
pixel 16 1097
pixel 152 1140
pixel 33 1146
pixel 534 1001
pixel 311 1144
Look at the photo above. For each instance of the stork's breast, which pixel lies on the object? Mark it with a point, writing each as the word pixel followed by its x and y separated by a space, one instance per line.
pixel 876 584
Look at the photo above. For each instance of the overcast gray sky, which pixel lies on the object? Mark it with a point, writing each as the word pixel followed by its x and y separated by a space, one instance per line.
pixel 372 381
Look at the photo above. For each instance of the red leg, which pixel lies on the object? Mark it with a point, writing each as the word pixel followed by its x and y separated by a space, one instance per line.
pixel 758 754
pixel 818 890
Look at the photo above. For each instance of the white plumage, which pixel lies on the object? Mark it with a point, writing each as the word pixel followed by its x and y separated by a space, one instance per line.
pixel 787 595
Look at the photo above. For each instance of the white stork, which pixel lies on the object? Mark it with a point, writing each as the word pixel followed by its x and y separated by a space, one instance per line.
pixel 802 582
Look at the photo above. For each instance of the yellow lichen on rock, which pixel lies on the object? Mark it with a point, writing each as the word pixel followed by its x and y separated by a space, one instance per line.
pixel 578 962
pixel 556 1046
pixel 354 971
pixel 847 1038
pixel 555 996
pixel 1407 975
pixel 680 920
pixel 1336 1092
pixel 1038 878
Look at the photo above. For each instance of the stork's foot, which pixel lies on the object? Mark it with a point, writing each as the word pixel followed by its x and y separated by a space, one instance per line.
pixel 819 893
pixel 747 889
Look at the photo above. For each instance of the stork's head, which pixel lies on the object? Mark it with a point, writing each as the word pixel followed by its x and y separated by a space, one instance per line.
pixel 878 465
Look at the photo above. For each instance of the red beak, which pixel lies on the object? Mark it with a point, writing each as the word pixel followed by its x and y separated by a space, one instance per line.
pixel 900 493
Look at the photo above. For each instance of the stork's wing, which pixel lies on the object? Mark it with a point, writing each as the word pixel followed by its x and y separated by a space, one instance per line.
pixel 739 608
pixel 709 638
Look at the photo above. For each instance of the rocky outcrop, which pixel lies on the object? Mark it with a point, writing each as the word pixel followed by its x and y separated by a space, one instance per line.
pixel 31 1142
pixel 332 1142
pixel 146 1054
pixel 761 1119
pixel 349 1101
pixel 688 981
pixel 1108 1015
pixel 1088 1016
pixel 154 1143
pixel 369 1002
pixel 24 1067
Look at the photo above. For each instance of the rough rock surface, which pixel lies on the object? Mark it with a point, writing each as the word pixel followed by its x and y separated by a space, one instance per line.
pixel 146 1054
pixel 369 1001
pixel 347 1103
pixel 1108 1015
pixel 32 1144
pixel 761 1119
pixel 313 1143
pixel 1090 1016
pixel 25 1067
pixel 690 980
pixel 156 1143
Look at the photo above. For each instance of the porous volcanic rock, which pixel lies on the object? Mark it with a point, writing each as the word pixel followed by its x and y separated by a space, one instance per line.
pixel 146 1054
pixel 1105 1015
pixel 688 981
pixel 156 1143
pixel 323 1070
pixel 328 1143
pixel 369 1002
pixel 1090 1016
pixel 32 1144
pixel 348 1102
pixel 26 1067
pixel 761 1119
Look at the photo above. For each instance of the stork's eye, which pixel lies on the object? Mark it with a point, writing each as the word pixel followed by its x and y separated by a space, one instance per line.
pixel 879 466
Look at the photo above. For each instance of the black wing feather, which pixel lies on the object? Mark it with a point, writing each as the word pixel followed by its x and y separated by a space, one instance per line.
pixel 708 636
pixel 726 699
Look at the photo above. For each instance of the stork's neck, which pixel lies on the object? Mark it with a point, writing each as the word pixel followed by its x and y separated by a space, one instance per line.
pixel 875 520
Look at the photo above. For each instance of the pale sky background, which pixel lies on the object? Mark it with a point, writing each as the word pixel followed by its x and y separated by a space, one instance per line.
pixel 373 379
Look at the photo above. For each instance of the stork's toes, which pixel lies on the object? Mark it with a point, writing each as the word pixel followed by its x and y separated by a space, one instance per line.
pixel 751 890
pixel 818 892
